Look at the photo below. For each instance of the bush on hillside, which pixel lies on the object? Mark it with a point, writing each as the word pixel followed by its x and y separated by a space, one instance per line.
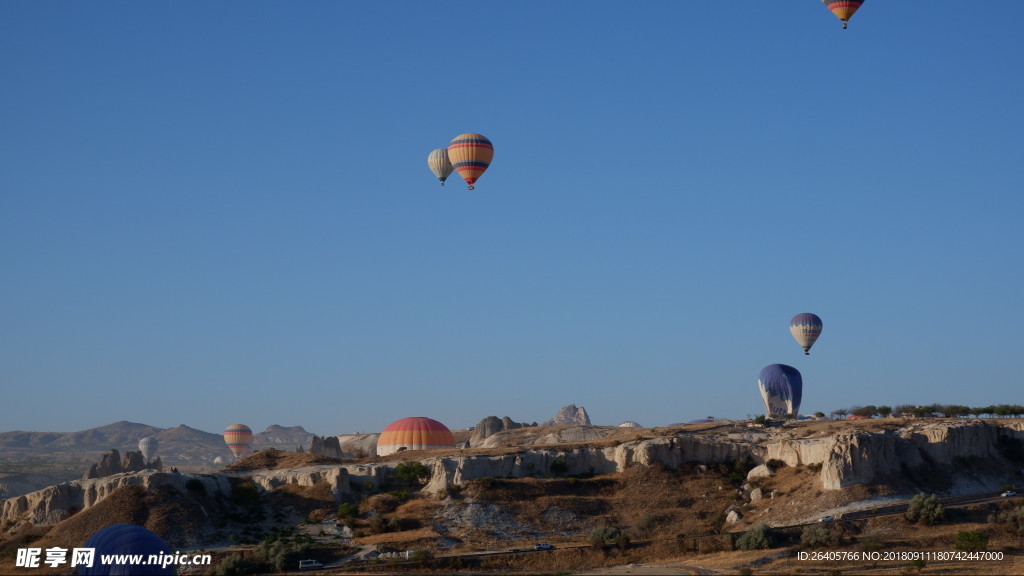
pixel 925 509
pixel 758 537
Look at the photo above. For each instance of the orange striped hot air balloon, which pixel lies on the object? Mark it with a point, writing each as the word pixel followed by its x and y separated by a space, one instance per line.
pixel 238 437
pixel 843 9
pixel 470 154
pixel 414 433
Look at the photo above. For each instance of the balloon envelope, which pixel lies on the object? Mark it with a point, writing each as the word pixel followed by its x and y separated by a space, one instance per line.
pixel 470 154
pixel 148 446
pixel 843 9
pixel 129 539
pixel 782 389
pixel 439 164
pixel 805 328
pixel 414 433
pixel 238 437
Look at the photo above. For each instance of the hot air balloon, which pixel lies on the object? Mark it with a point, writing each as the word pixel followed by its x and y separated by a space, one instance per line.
pixel 843 9
pixel 414 433
pixel 118 540
pixel 470 154
pixel 439 164
pixel 238 438
pixel 805 328
pixel 781 389
pixel 148 446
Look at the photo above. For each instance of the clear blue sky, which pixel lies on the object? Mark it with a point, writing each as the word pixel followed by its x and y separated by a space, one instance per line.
pixel 221 212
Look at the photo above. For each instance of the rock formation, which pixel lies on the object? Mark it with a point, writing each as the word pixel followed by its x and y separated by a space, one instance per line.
pixel 326 446
pixel 570 416
pixel 57 503
pixel 358 445
pixel 490 426
pixel 916 453
pixel 112 463
pixel 276 436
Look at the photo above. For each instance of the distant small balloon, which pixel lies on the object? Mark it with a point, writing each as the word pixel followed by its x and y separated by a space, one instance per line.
pixel 439 164
pixel 149 446
pixel 805 328
pixel 238 437
pixel 843 9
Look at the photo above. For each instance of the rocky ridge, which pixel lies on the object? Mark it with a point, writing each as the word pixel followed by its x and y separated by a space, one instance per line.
pixel 855 456
pixel 112 463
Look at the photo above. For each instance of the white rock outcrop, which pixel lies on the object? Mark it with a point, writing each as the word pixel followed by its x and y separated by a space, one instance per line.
pixel 57 503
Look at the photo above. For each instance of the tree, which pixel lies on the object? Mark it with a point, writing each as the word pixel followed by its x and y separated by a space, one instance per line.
pixel 412 472
pixel 1014 519
pixel 758 537
pixel 903 410
pixel 605 536
pixel 925 509
pixel 559 467
pixel 884 411
pixel 817 536
pixel 956 410
pixel 866 411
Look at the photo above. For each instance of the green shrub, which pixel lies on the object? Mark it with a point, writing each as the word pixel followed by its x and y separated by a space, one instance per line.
pixel 348 510
pixel 412 472
pixel 605 536
pixel 971 541
pixel 775 464
pixel 925 509
pixel 559 467
pixel 817 536
pixel 1013 518
pixel 758 537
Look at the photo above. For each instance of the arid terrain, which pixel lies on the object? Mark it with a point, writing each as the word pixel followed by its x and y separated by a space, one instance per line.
pixel 672 500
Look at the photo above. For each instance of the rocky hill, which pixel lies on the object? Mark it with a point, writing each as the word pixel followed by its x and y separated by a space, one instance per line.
pixel 32 460
pixel 946 456
pixel 551 483
pixel 570 416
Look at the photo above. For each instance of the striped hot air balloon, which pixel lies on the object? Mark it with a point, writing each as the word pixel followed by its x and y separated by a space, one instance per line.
pixel 470 154
pixel 439 164
pixel 782 388
pixel 414 433
pixel 805 328
pixel 238 437
pixel 843 9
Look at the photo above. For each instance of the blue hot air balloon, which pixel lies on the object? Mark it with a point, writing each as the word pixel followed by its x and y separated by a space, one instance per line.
pixel 805 328
pixel 781 389
pixel 131 539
